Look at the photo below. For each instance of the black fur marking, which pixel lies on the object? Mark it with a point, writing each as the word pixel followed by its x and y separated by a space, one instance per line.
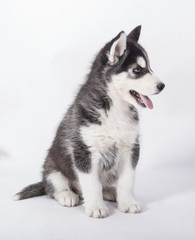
pixel 134 113
pixel 82 156
pixel 49 189
pixel 135 154
pixel 108 158
pixel 109 194
pixel 105 103
pixel 135 34
pixel 88 116
pixel 48 167
pixel 134 50
pixel 141 73
pixel 60 155
pixel 91 98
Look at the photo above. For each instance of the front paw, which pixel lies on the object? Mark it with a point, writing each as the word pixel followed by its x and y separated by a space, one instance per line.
pixel 130 207
pixel 97 211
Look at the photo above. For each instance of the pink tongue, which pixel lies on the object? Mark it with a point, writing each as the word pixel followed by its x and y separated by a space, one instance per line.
pixel 147 101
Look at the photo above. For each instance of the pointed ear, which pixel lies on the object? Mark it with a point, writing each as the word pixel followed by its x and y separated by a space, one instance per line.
pixel 118 47
pixel 134 34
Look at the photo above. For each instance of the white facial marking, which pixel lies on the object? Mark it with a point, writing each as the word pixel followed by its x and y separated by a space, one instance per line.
pixel 145 85
pixel 141 62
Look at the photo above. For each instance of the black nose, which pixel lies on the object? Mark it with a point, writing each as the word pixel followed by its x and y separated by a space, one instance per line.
pixel 160 86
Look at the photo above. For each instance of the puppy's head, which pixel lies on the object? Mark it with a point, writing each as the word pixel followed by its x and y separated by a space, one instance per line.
pixel 129 68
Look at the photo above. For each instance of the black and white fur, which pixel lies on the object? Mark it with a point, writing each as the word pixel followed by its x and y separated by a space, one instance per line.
pixel 96 148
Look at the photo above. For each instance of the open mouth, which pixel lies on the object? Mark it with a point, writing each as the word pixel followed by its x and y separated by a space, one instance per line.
pixel 142 100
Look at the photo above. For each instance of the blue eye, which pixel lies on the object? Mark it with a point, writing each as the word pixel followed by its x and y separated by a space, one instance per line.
pixel 137 70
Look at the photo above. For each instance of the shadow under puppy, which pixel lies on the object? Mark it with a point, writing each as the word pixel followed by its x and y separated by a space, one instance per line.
pixel 96 148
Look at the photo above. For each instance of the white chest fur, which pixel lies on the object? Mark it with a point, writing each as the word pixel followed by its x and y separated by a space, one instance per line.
pixel 118 128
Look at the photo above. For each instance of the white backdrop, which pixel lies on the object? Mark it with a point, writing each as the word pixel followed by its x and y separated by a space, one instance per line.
pixel 45 52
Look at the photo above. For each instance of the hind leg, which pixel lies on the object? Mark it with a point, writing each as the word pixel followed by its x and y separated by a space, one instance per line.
pixel 57 186
pixel 67 198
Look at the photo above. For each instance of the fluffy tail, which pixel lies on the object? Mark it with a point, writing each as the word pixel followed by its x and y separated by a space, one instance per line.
pixel 33 190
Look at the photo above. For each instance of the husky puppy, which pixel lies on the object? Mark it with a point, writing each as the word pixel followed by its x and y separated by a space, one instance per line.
pixel 96 148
